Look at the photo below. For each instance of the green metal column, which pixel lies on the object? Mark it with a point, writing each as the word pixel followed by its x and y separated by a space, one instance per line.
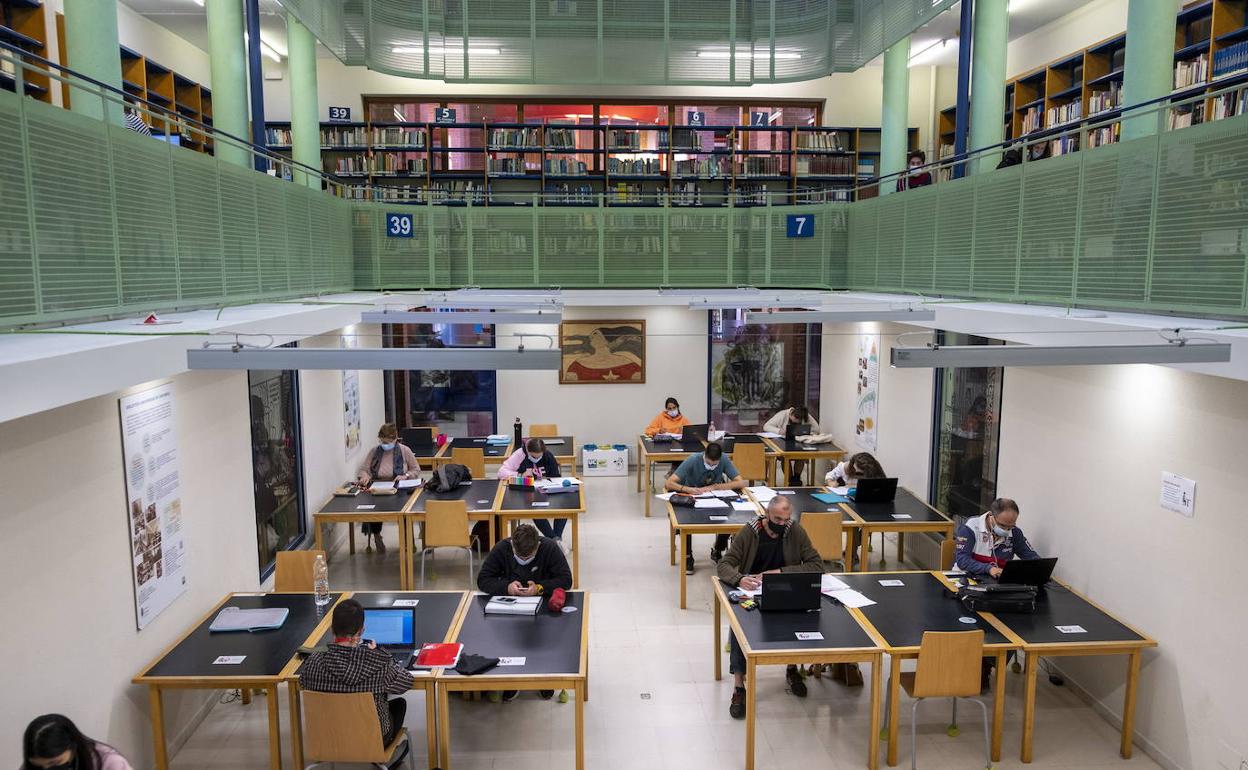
pixel 1150 64
pixel 895 113
pixel 992 33
pixel 228 57
pixel 305 113
pixel 92 48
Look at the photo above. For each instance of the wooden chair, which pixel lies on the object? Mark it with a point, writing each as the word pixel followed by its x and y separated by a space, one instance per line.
pixel 293 573
pixel 472 458
pixel 947 552
pixel 343 727
pixel 446 526
pixel 543 430
pixel 751 461
pixel 949 666
pixel 825 532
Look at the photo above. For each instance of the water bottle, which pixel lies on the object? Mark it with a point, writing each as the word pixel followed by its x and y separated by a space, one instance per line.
pixel 320 581
pixel 518 434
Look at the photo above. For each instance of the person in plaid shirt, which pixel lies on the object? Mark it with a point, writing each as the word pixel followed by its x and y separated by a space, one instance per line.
pixel 354 665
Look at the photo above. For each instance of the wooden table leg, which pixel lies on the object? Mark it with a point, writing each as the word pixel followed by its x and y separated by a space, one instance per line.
pixel 998 706
pixel 244 695
pixel 405 546
pixel 296 725
pixel 684 559
pixel 411 553
pixel 1031 669
pixel 649 485
pixel 1128 705
pixel 576 551
pixel 864 552
pixel 751 692
pixel 158 727
pixel 640 464
pixel 901 549
pixel 275 729
pixel 444 727
pixel 847 553
pixel 873 753
pixel 894 708
pixel 671 542
pixel 317 537
pixel 579 694
pixel 351 536
pixel 719 663
pixel 431 723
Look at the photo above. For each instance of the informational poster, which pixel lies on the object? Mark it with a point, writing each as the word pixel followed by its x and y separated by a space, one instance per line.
pixel 868 371
pixel 149 444
pixel 351 408
pixel 1178 494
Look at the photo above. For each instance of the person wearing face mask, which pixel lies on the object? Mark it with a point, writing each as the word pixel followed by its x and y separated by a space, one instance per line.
pixel 53 742
pixel 914 178
pixel 985 543
pixel 670 420
pixel 389 461
pixel 771 543
pixel 861 465
pixel 534 460
pixel 700 473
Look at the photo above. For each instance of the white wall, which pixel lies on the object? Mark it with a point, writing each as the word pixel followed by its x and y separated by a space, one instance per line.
pixel 1083 450
pixel 1089 24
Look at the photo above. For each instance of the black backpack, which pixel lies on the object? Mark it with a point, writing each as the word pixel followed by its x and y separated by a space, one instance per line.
pixel 448 477
pixel 998 597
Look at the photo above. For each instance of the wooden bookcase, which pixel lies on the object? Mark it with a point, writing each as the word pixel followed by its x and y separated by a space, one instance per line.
pixel 23 24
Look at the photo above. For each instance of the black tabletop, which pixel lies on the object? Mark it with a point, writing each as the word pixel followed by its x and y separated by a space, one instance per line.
pixel 793 445
pixel 380 503
pixel 435 611
pixel 902 613
pixel 675 446
pixel 516 499
pixel 560 450
pixel 1057 606
pixel 267 652
pixel 802 501
pixel 473 442
pixel 906 508
pixel 479 494
pixel 773 631
pixel 549 643
pixel 726 516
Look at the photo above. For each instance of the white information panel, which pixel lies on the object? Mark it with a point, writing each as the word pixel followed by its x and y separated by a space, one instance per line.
pixel 1178 494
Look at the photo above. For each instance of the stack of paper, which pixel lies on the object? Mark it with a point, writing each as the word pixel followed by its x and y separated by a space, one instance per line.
pixel 709 502
pixel 513 605
pixel 725 493
pixel 831 585
pixel 762 494
pixel 665 496
pixel 768 434
pixel 381 486
pixel 745 505
pixel 239 619
pixel 411 483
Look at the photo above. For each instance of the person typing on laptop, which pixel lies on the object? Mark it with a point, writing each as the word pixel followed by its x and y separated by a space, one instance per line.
pixel 703 472
pixel 771 543
pixel 353 664
pixel 985 543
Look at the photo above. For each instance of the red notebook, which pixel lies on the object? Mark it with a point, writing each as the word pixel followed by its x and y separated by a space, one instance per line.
pixel 438 655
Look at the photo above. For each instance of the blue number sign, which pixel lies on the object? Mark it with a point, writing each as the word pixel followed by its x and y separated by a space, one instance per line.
pixel 398 225
pixel 799 225
pixel 443 115
pixel 339 113
pixel 695 118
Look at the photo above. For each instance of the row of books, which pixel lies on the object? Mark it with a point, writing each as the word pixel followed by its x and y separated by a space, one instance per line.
pixel 1064 145
pixel 1229 105
pixel 752 195
pixel 278 136
pixel 1031 120
pixel 393 135
pixel 1109 99
pixel 582 194
pixel 620 139
pixel 561 138
pixel 1102 136
pixel 1182 118
pixel 634 167
pixel 460 192
pixel 352 136
pixel 351 164
pixel 820 140
pixel 1232 59
pixel 821 166
pixel 565 166
pixel 944 173
pixel 509 166
pixel 763 165
pixel 713 168
pixel 514 137
pixel 1191 72
pixel 395 164
pixel 824 195
pixel 1056 116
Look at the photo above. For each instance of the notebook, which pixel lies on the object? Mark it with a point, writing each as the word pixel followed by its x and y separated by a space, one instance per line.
pixel 239 619
pixel 438 655
pixel 513 605
pixel 831 498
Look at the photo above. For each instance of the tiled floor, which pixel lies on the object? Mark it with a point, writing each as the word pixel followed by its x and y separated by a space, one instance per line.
pixel 654 702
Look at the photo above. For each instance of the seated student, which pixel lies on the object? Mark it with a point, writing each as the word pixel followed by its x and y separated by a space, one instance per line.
pixel 524 565
pixel 702 472
pixel 352 665
pixel 389 461
pixel 771 543
pixel 985 543
pixel 53 742
pixel 535 460
pixel 914 178
pixel 670 420
pixel 861 465
pixel 794 415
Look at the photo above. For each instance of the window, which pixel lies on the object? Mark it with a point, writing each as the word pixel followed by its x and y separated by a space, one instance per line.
pixel 625 114
pixel 967 432
pixel 758 369
pixel 276 465
pixel 456 402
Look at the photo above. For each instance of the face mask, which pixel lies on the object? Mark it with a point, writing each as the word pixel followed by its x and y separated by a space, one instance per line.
pixel 1000 531
pixel 535 460
pixel 526 562
pixel 387 447
pixel 673 413
pixel 710 468
pixel 915 165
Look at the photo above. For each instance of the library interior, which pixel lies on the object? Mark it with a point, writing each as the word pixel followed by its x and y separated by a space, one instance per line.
pixel 917 324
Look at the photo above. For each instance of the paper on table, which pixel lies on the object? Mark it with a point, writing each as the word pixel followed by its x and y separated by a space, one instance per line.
pixel 716 435
pixel 381 485
pixel 725 493
pixel 762 494
pixel 744 505
pixel 842 491
pixel 851 598
pixel 496 437
pixel 768 434
pixel 832 583
pixel 713 502
pixel 410 483
pixel 665 496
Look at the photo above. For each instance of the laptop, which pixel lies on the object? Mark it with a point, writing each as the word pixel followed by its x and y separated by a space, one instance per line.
pixel 876 491
pixel 796 429
pixel 697 432
pixel 791 592
pixel 393 630
pixel 419 440
pixel 1028 572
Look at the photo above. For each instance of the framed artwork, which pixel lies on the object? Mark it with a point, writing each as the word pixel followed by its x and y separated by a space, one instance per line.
pixel 602 352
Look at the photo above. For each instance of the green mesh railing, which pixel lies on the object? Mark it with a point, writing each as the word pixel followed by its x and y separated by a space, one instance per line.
pixel 716 42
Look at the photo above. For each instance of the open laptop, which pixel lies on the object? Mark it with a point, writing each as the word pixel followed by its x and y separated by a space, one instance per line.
pixel 393 630
pixel 1028 572
pixel 790 592
pixel 419 440
pixel 876 491
pixel 697 432
pixel 793 430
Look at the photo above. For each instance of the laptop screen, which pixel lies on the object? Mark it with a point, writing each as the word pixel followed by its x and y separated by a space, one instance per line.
pixel 388 626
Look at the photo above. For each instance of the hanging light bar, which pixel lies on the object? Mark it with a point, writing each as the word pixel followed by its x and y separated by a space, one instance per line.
pixel 452 359
pixel 542 317
pixel 840 316
pixel 993 356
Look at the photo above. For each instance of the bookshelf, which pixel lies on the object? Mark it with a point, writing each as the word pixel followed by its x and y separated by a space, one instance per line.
pixel 23 24
pixel 633 164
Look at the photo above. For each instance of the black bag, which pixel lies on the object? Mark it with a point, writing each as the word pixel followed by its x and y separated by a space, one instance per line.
pixel 448 477
pixel 470 665
pixel 998 597
pixel 684 501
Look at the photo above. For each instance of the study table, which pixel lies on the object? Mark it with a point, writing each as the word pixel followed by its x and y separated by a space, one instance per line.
pixel 493 452
pixel 791 449
pixel 363 508
pixel 650 452
pixel 515 503
pixel 204 660
pixel 480 496
pixel 802 500
pixel 544 651
pixel 682 520
pixel 905 514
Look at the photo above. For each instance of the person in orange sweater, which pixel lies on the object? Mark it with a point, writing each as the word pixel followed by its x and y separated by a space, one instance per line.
pixel 670 420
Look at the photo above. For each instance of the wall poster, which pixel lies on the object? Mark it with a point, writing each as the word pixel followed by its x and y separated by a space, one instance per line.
pixel 351 408
pixel 149 444
pixel 868 371
pixel 602 352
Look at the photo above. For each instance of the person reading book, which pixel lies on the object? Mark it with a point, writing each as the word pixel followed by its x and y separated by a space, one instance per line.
pixel 388 461
pixel 535 461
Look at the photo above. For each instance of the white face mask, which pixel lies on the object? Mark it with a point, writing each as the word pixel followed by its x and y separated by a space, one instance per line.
pixel 535 460
pixel 387 447
pixel 673 413
pixel 710 468
pixel 526 562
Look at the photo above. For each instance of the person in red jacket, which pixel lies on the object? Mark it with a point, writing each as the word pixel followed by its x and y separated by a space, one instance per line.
pixel 915 178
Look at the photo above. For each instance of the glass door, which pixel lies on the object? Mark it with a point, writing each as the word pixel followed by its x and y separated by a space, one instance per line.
pixel 457 403
pixel 276 464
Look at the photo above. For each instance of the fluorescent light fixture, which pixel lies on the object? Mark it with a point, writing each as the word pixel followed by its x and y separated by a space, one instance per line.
pixel 993 356
pixel 840 316
pixel 198 2
pixel 269 52
pixel 498 302
pixel 397 359
pixel 464 317
pixel 723 53
pixel 443 51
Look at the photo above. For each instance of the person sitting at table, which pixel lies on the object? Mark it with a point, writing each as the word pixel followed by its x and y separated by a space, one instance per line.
pixel 703 472
pixel 778 424
pixel 534 460
pixel 771 543
pixel 524 564
pixel 53 742
pixel 389 461
pixel 861 465
pixel 670 420
pixel 351 664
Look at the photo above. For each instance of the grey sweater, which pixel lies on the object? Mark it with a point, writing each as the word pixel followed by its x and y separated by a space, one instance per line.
pixel 799 553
